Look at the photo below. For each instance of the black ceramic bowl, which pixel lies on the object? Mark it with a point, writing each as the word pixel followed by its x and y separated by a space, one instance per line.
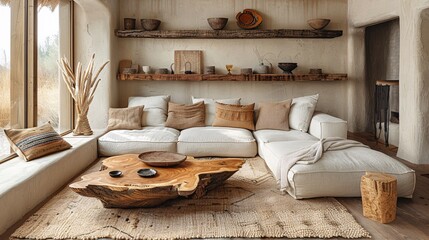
pixel 146 172
pixel 287 67
pixel 115 173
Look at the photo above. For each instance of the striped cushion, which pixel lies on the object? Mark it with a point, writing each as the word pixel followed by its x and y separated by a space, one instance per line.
pixel 36 142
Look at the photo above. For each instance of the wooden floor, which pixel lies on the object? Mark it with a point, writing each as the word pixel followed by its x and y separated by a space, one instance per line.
pixel 412 220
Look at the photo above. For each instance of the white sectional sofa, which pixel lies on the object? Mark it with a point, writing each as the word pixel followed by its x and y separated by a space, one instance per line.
pixel 337 174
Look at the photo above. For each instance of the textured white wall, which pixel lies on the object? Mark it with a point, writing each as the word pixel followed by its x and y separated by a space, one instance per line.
pixel 95 22
pixel 413 72
pixel 328 54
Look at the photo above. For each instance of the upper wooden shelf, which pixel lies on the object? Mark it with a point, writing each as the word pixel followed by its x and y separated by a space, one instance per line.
pixel 233 77
pixel 230 34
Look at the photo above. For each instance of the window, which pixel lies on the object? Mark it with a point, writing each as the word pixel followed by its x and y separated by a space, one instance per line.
pixel 32 92
pixel 5 21
pixel 47 70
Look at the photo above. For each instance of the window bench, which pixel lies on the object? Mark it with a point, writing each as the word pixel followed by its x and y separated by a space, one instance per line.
pixel 23 185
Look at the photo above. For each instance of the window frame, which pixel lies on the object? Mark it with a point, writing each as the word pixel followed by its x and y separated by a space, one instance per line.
pixel 24 49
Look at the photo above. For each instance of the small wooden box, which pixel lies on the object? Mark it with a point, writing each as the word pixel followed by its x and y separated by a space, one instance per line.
pixel 379 197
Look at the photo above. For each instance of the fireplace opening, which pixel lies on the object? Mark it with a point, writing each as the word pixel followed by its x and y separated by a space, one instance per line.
pixel 382 64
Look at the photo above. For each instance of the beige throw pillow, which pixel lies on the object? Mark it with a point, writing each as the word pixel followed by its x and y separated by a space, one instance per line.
pixel 230 115
pixel 211 106
pixel 125 118
pixel 274 115
pixel 32 143
pixel 181 116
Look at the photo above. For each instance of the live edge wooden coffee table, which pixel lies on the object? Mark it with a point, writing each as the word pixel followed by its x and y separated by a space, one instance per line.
pixel 192 178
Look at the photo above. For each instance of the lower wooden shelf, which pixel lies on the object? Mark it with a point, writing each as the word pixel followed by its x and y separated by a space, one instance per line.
pixel 233 77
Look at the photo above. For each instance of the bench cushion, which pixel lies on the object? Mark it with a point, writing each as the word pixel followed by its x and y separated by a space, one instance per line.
pixel 119 142
pixel 336 174
pixel 23 185
pixel 217 142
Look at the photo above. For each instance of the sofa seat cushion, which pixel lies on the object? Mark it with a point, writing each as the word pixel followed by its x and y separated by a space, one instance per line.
pixel 217 142
pixel 267 136
pixel 337 173
pixel 119 142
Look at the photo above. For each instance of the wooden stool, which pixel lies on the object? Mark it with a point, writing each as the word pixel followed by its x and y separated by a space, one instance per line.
pixel 379 197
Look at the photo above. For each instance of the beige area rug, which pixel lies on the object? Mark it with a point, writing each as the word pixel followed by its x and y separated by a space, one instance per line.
pixel 249 205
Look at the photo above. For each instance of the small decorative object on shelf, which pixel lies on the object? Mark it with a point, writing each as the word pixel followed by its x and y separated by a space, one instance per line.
pixel 188 68
pixel 229 68
pixel 146 69
pixel 210 70
pixel 318 23
pixel 161 71
pixel 194 57
pixel 82 86
pixel 150 24
pixel 315 71
pixel 129 23
pixel 248 19
pixel 287 67
pixel 171 68
pixel 246 71
pixel 217 23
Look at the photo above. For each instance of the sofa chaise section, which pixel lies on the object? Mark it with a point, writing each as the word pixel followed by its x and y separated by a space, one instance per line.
pixel 117 142
pixel 337 173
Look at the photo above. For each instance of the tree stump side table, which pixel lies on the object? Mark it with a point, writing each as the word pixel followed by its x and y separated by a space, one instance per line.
pixel 379 197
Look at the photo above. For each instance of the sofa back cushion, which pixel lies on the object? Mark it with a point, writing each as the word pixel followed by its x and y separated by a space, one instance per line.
pixel 274 115
pixel 32 143
pixel 301 112
pixel 232 115
pixel 155 109
pixel 211 106
pixel 125 118
pixel 181 116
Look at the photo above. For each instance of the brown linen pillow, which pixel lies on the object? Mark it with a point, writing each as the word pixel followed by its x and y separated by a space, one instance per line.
pixel 125 118
pixel 181 116
pixel 32 143
pixel 274 115
pixel 232 115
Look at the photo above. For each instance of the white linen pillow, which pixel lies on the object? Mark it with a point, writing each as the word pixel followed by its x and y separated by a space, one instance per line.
pixel 210 105
pixel 155 109
pixel 301 112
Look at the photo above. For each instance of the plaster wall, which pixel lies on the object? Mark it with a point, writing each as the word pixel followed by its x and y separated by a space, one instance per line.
pixel 94 24
pixel 413 72
pixel 328 54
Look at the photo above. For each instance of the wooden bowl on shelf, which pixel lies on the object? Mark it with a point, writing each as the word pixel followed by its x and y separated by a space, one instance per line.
pixel 150 24
pixel 217 23
pixel 318 23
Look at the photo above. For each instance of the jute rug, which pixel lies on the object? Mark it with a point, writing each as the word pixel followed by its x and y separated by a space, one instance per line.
pixel 249 204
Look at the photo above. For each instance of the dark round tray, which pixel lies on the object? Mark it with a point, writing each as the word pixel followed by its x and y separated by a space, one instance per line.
pixel 146 172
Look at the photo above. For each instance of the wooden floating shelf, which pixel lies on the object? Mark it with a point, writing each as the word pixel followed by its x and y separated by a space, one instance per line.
pixel 232 77
pixel 230 34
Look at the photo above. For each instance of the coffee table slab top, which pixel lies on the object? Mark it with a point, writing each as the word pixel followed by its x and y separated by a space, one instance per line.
pixel 192 178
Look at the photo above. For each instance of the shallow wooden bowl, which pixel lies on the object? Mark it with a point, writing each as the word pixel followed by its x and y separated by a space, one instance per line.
pixel 318 23
pixel 162 159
